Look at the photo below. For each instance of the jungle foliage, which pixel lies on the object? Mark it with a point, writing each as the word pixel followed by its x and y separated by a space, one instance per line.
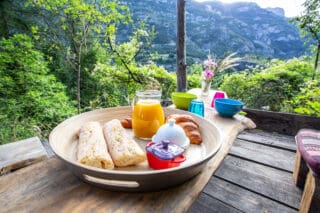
pixel 285 86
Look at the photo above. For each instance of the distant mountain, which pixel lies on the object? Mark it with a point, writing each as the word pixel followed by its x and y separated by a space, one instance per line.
pixel 221 28
pixel 276 10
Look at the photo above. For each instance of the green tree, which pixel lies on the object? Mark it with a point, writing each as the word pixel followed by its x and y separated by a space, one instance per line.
pixel 90 27
pixel 124 54
pixel 307 102
pixel 271 87
pixel 113 87
pixel 85 22
pixel 309 22
pixel 32 102
pixel 14 18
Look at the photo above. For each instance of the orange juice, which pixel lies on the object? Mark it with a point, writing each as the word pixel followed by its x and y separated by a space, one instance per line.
pixel 147 117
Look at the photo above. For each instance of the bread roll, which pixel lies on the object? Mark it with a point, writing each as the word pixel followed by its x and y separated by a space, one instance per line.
pixel 124 150
pixel 126 123
pixel 194 137
pixel 181 118
pixel 190 127
pixel 92 148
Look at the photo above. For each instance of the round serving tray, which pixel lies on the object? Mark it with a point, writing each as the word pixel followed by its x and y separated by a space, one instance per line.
pixel 64 137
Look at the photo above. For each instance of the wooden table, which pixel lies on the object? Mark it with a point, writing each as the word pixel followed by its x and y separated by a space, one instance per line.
pixel 49 186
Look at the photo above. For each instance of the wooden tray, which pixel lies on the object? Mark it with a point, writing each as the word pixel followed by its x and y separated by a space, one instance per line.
pixel 63 141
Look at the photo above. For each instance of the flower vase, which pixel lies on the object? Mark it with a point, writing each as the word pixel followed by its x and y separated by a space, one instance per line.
pixel 205 87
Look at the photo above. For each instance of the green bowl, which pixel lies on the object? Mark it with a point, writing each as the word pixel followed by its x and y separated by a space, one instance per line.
pixel 182 99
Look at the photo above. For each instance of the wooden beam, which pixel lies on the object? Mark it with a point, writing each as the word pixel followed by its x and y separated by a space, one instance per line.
pixel 283 123
pixel 20 154
pixel 181 47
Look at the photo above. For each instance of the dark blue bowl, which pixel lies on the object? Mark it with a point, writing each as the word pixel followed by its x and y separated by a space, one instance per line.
pixel 227 107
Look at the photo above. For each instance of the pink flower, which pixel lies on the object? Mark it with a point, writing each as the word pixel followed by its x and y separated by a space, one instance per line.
pixel 209 63
pixel 208 73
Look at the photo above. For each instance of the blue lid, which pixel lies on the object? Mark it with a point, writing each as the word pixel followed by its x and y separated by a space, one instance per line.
pixel 165 150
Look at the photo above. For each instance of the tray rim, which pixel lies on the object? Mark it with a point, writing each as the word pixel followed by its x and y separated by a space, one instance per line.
pixel 132 172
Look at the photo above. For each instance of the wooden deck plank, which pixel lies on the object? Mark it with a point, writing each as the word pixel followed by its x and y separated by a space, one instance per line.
pixel 277 158
pixel 272 183
pixel 244 180
pixel 243 199
pixel 269 138
pixel 39 188
pixel 211 205
pixel 20 154
pixel 48 149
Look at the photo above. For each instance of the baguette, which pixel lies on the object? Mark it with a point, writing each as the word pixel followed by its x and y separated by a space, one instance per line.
pixel 124 151
pixel 92 149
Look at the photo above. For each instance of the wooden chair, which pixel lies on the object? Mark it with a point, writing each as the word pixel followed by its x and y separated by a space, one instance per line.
pixel 307 169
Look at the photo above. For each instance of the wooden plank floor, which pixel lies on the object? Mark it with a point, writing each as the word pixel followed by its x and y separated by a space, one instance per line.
pixel 256 176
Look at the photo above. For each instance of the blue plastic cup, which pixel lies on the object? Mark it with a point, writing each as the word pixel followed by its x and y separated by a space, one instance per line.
pixel 197 107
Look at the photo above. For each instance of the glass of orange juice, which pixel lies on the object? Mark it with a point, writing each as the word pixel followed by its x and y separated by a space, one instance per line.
pixel 147 114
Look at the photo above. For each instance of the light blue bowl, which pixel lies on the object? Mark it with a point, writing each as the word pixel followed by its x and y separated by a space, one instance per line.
pixel 227 107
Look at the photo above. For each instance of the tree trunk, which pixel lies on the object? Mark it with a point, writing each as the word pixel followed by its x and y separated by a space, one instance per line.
pixel 78 80
pixel 181 47
pixel 316 60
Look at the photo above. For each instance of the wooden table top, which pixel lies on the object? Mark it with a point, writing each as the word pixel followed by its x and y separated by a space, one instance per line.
pixel 49 186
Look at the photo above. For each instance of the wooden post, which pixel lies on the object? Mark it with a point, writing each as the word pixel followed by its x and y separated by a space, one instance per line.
pixel 310 201
pixel 300 171
pixel 181 47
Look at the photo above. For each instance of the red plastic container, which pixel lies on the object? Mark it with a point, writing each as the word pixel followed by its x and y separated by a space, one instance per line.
pixel 170 156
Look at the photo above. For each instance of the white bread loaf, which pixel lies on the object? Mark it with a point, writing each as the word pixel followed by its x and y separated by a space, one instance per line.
pixel 124 150
pixel 92 148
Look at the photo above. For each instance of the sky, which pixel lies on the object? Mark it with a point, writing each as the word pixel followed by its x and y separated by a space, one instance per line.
pixel 291 7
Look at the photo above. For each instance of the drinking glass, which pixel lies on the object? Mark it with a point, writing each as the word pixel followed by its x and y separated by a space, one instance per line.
pixel 218 94
pixel 147 114
pixel 197 107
